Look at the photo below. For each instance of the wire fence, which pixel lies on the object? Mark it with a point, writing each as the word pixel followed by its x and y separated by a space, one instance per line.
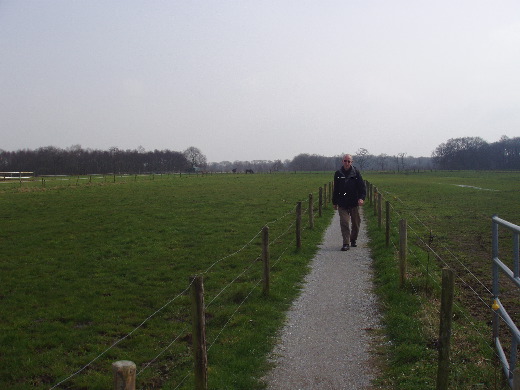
pixel 283 242
pixel 424 246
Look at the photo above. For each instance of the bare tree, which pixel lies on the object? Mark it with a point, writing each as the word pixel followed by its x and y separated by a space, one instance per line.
pixel 401 156
pixel 277 165
pixel 195 157
pixel 361 158
pixel 382 160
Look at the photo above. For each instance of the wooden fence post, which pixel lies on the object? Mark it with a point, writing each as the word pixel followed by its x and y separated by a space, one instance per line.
pixel 325 198
pixel 330 192
pixel 387 203
pixel 445 329
pixel 124 375
pixel 375 200
pixel 199 333
pixel 320 202
pixel 379 211
pixel 265 258
pixel 311 211
pixel 299 225
pixel 403 246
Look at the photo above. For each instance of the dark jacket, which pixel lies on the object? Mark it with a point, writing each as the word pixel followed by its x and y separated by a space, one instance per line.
pixel 349 187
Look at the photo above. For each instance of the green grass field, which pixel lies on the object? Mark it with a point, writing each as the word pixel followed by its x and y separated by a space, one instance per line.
pixel 86 264
pixel 83 265
pixel 454 209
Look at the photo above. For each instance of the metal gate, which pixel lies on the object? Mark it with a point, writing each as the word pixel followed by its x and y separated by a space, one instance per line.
pixel 500 312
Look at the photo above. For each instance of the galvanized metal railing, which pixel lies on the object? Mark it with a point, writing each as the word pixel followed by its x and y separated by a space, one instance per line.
pixel 500 312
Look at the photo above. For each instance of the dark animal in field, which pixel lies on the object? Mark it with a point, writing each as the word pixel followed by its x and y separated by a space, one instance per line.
pixel 234 170
pixel 249 171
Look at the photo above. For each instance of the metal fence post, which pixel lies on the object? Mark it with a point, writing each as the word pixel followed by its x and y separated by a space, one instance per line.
pixel 494 251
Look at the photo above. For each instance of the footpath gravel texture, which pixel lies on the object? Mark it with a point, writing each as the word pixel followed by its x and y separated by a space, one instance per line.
pixel 327 340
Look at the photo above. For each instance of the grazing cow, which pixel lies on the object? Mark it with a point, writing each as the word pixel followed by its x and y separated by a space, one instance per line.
pixel 249 171
pixel 234 170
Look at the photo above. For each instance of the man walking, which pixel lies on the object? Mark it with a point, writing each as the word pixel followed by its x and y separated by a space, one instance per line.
pixel 349 194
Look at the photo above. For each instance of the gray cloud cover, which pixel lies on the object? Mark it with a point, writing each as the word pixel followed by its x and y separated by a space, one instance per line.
pixel 245 80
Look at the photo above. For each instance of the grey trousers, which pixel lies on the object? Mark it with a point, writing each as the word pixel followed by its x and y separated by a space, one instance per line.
pixel 346 216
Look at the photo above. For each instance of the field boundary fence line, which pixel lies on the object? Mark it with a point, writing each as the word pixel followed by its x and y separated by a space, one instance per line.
pixel 427 247
pixel 241 273
pixel 445 262
pixel 441 259
pixel 443 245
pixel 433 278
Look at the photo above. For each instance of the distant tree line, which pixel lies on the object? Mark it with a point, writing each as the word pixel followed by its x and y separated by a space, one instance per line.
pixel 456 153
pixel 312 162
pixel 77 161
pixel 475 153
pixel 468 153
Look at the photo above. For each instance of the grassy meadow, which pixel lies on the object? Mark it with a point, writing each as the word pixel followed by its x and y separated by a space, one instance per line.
pixel 451 213
pixel 95 270
pixel 88 264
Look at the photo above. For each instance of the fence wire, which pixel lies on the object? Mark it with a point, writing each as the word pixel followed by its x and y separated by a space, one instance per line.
pixel 434 278
pixel 206 271
pixel 121 339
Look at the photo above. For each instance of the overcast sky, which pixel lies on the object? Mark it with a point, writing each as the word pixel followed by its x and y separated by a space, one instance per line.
pixel 258 80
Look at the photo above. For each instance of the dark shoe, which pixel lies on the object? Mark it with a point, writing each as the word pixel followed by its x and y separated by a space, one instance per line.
pixel 353 244
pixel 345 247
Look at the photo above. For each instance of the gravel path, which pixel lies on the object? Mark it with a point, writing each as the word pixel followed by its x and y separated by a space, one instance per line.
pixel 326 341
